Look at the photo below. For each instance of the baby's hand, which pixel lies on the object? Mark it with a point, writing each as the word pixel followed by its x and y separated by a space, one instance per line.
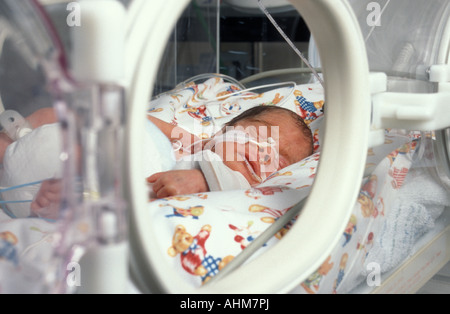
pixel 178 182
pixel 46 203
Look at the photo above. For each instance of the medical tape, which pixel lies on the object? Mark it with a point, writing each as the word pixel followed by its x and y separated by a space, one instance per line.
pixel 240 137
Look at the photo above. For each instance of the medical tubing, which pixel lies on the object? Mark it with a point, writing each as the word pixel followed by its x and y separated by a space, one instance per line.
pixel 252 172
pixel 247 90
pixel 15 202
pixel 273 73
pixel 241 137
pixel 272 20
pixel 102 140
pixel 232 81
pixel 2 190
pixel 259 242
pixel 19 186
pixel 204 25
pixel 206 76
pixel 228 96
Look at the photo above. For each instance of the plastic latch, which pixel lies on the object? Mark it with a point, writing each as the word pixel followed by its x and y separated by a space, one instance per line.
pixel 439 73
pixel 378 84
pixel 14 125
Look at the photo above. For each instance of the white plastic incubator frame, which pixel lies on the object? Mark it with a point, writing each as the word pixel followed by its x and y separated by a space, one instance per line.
pixel 333 24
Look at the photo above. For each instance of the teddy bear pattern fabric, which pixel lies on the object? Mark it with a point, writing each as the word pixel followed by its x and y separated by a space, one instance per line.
pixel 199 234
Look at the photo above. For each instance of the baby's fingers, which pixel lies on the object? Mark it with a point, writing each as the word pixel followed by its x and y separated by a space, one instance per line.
pixel 166 191
pixel 162 186
pixel 153 178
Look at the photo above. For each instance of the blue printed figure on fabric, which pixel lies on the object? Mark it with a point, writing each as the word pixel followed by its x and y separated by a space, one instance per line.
pixel 231 108
pixel 349 230
pixel 339 279
pixel 198 113
pixel 341 272
pixel 212 266
pixel 207 120
pixel 8 250
pixel 306 105
pixel 309 111
pixel 179 212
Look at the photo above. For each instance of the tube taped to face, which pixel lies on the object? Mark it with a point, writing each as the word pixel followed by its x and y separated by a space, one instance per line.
pixel 256 149
pixel 229 155
pixel 218 176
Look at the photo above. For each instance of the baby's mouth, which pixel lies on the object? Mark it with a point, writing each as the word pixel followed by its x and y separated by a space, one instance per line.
pixel 253 168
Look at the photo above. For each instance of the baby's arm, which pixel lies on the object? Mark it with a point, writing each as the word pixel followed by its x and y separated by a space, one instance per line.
pixel 41 117
pixel 36 119
pixel 178 182
pixel 5 141
pixel 46 203
pixel 176 134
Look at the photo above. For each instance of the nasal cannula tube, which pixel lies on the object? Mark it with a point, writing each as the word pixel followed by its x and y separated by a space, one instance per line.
pixel 272 20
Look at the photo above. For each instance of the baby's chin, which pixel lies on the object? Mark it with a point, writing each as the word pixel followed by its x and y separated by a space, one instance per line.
pixel 241 167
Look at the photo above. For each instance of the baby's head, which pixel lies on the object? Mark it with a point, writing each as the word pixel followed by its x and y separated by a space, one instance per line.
pixel 279 138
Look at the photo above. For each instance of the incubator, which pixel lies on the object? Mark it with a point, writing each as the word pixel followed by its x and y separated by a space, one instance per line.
pixel 79 78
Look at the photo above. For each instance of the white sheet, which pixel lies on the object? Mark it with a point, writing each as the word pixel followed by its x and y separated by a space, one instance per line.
pixel 34 157
pixel 224 224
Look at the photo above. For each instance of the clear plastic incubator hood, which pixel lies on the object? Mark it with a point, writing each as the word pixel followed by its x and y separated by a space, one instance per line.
pixel 62 122
pixel 77 148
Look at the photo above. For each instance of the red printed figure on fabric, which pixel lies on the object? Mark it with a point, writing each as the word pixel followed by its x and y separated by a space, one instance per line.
pixel 399 172
pixel 274 213
pixel 398 176
pixel 316 140
pixel 312 284
pixel 199 113
pixel 193 255
pixel 365 246
pixel 244 236
pixel 366 196
pixel 191 249
pixel 257 193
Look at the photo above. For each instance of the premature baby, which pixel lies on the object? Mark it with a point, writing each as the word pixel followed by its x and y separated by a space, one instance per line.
pixel 251 147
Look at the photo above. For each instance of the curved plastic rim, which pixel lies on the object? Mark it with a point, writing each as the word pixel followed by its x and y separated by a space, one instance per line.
pixel 330 204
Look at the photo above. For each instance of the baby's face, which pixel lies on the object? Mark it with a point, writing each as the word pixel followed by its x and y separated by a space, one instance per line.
pixel 276 143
